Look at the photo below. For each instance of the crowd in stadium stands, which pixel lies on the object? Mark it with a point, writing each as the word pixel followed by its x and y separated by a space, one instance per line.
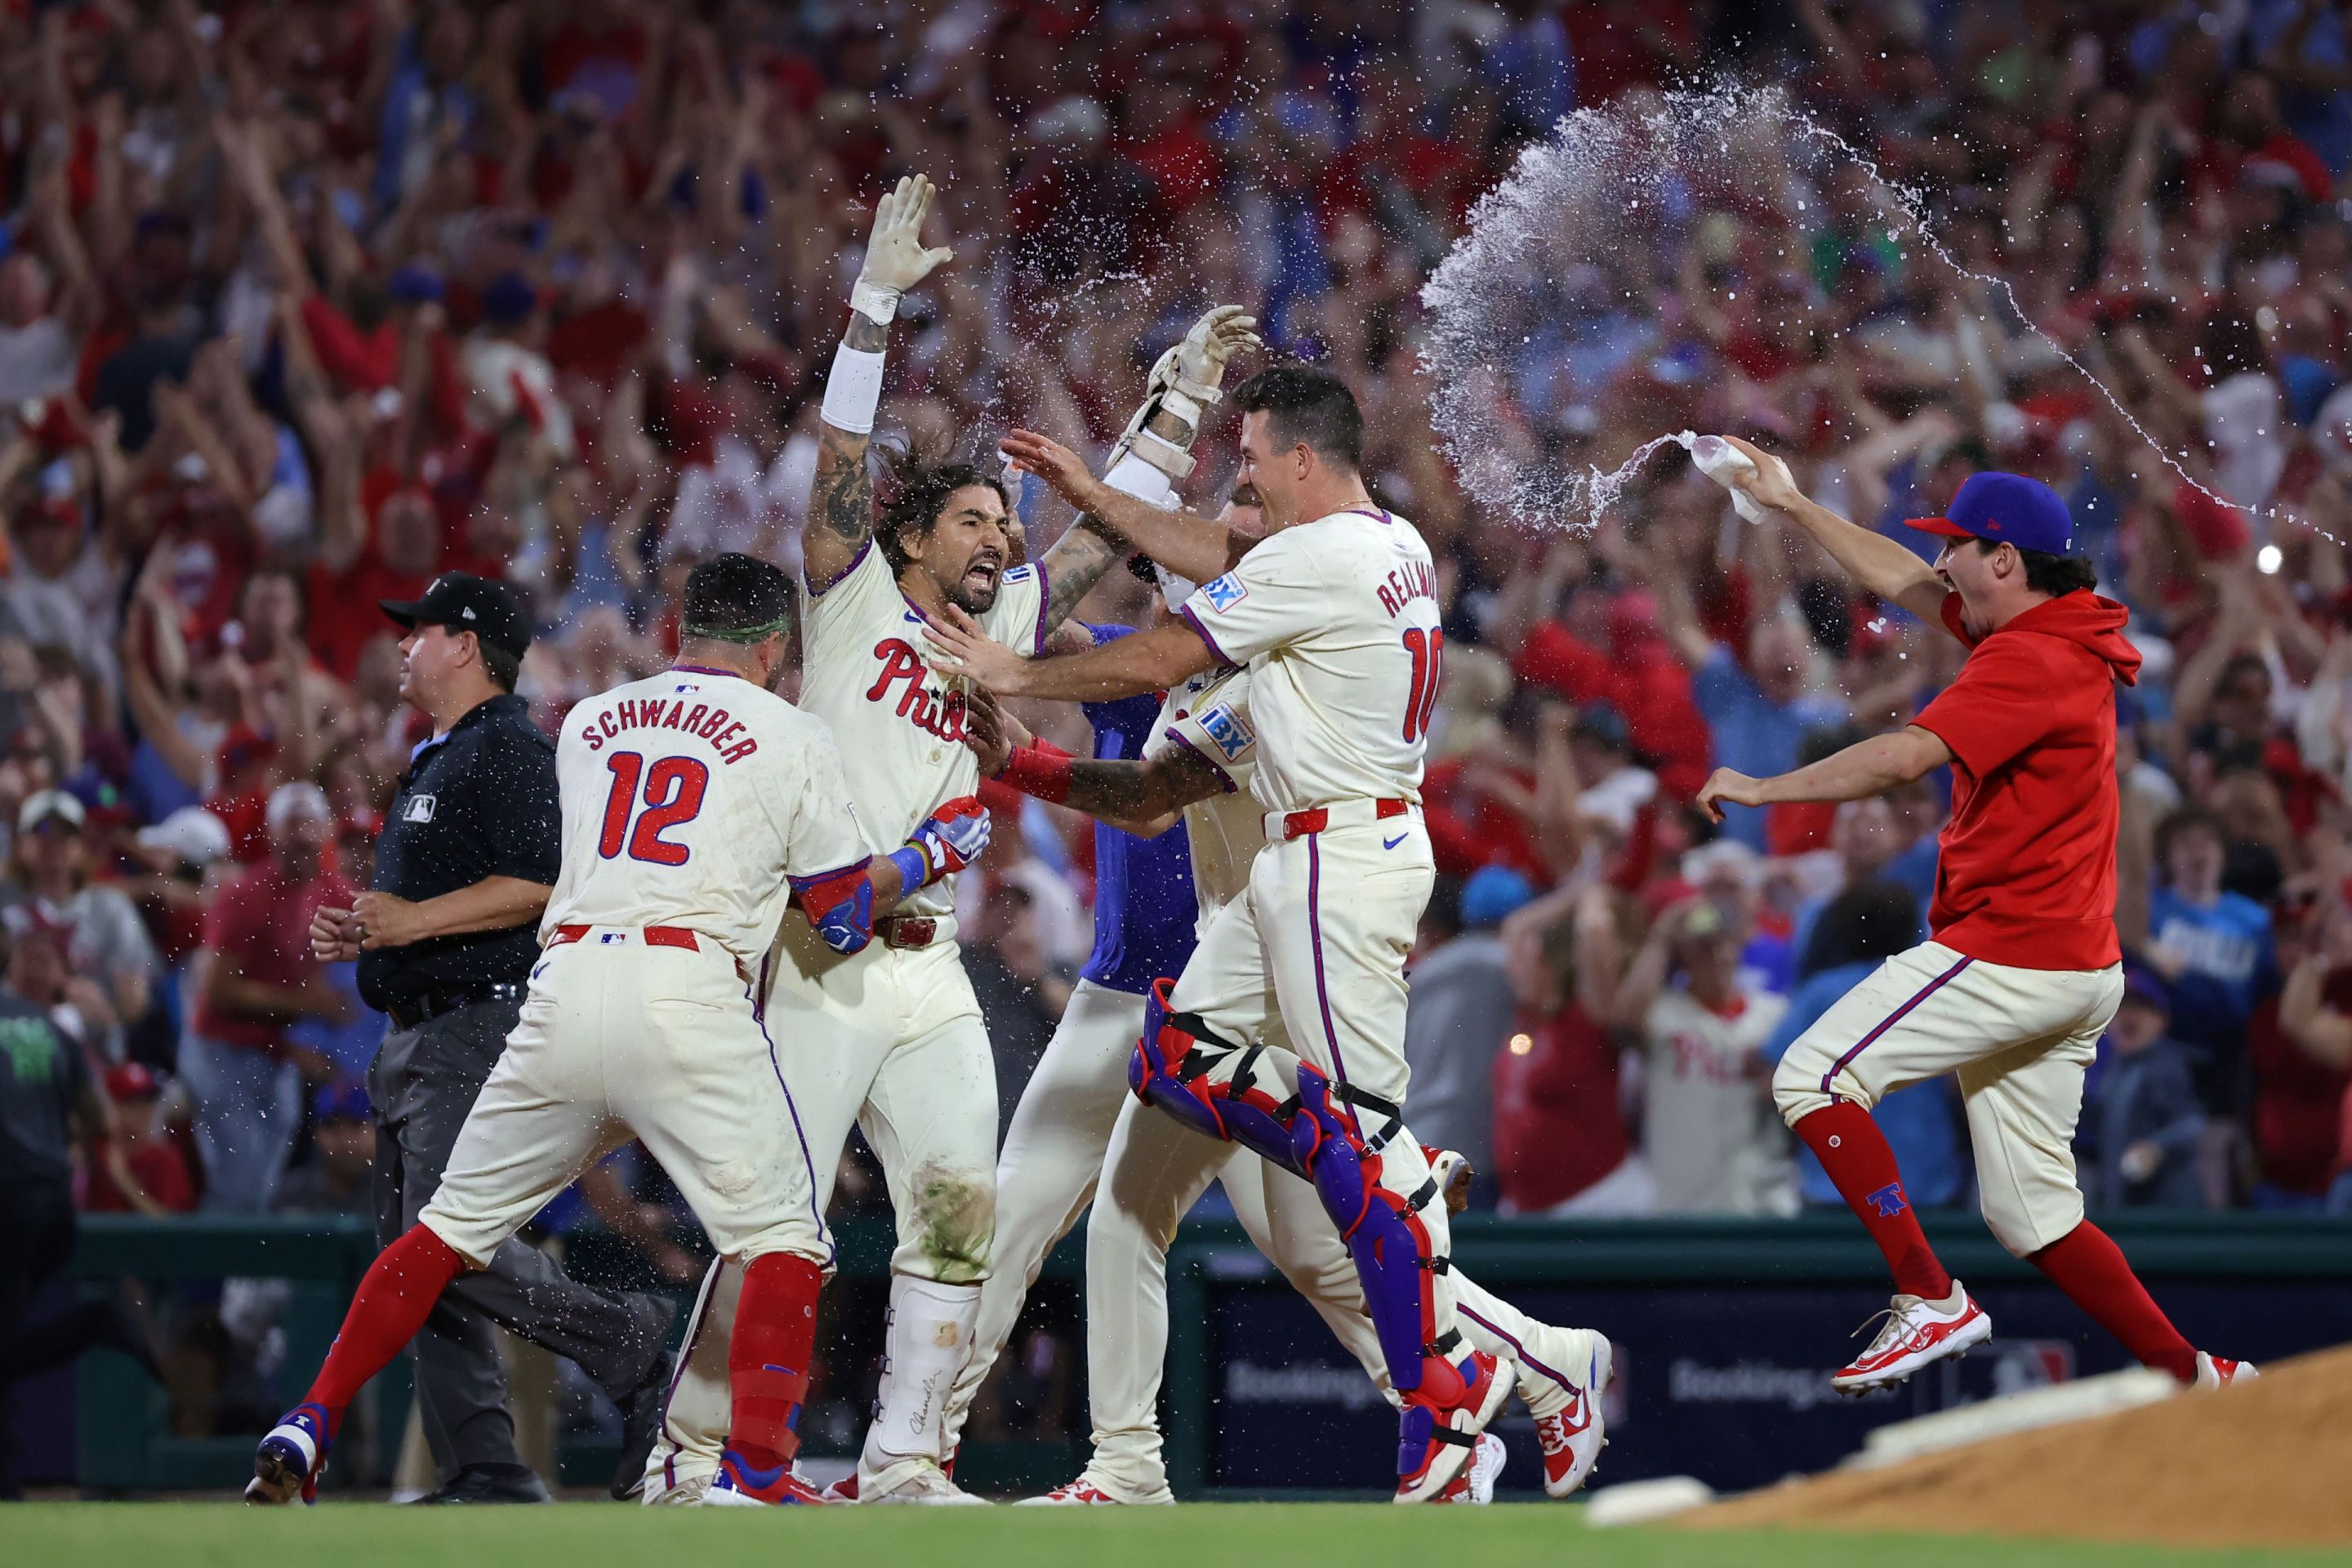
pixel 302 303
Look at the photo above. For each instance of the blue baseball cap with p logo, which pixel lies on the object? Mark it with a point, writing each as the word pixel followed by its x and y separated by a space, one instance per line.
pixel 2006 509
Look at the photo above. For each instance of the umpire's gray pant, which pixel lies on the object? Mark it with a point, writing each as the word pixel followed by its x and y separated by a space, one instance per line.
pixel 424 1082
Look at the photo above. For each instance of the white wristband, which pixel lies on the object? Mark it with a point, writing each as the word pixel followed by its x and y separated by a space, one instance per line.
pixel 1132 476
pixel 854 391
pixel 875 302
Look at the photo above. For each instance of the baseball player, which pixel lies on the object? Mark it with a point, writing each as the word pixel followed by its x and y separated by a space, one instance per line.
pixel 694 804
pixel 891 1039
pixel 2022 971
pixel 1335 615
pixel 1078 1122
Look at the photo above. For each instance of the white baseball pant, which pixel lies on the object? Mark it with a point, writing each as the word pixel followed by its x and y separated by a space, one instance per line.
pixel 2020 1041
pixel 1078 1122
pixel 619 1040
pixel 891 1040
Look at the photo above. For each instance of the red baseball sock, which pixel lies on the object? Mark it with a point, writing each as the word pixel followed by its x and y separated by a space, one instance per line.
pixel 395 1298
pixel 768 1357
pixel 2089 1266
pixel 1855 1152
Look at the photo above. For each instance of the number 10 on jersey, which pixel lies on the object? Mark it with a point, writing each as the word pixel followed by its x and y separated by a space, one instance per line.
pixel 1428 650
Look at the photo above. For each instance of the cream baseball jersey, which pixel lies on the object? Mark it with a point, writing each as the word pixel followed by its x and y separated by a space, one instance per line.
pixel 899 724
pixel 1338 622
pixel 1209 715
pixel 689 799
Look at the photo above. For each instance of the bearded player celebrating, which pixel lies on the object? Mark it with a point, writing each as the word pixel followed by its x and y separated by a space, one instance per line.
pixel 891 1039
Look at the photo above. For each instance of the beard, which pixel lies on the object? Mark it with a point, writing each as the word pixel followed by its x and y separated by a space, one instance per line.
pixel 972 601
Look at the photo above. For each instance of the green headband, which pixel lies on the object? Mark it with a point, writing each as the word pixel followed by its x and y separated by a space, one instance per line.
pixel 745 633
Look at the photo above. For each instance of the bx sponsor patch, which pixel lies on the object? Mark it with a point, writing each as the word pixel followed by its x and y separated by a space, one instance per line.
pixel 1225 592
pixel 1229 730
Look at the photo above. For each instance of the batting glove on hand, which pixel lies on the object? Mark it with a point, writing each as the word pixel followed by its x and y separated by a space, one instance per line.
pixel 1216 340
pixel 950 840
pixel 894 258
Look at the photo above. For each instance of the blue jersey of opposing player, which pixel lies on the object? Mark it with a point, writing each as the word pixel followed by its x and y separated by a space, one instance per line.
pixel 1144 908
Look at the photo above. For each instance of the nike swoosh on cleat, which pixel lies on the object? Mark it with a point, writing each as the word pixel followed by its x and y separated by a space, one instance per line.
pixel 1392 842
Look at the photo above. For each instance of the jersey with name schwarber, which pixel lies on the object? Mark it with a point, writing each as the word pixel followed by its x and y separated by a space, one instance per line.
pixel 899 724
pixel 1209 716
pixel 689 799
pixel 1338 623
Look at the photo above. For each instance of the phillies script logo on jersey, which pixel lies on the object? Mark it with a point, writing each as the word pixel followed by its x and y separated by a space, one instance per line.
pixel 920 704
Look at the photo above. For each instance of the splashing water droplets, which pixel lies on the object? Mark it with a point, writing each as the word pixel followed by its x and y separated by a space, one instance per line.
pixel 1618 196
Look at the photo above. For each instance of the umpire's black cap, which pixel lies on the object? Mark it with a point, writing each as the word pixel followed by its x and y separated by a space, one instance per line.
pixel 465 602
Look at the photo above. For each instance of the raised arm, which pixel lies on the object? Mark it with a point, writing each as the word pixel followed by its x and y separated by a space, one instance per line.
pixel 1880 564
pixel 1153 454
pixel 841 502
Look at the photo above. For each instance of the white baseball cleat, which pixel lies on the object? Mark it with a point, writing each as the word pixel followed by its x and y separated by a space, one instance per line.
pixel 1476 1484
pixel 926 1485
pixel 2219 1372
pixel 1915 1333
pixel 1085 1492
pixel 1573 1437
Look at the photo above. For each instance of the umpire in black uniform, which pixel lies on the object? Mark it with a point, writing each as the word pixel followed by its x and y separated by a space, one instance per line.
pixel 445 939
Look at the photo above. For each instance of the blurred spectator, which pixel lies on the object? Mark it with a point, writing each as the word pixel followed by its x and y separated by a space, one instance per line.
pixel 336 1178
pixel 1561 1142
pixel 258 978
pixel 1022 992
pixel 2302 1046
pixel 2212 950
pixel 1714 1142
pixel 161 1181
pixel 50 1105
pixel 1459 1014
pixel 2143 1121
pixel 1865 925
pixel 111 964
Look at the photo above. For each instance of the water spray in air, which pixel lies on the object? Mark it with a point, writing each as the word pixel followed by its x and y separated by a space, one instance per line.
pixel 1550 292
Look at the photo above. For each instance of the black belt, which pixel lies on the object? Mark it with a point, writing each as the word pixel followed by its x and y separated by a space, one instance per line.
pixel 407 1012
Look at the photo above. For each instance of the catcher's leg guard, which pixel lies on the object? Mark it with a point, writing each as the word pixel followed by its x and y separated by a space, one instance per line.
pixel 1383 1232
pixel 1177 1067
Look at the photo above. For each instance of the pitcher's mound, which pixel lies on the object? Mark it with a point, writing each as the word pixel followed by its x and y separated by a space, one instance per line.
pixel 2263 1463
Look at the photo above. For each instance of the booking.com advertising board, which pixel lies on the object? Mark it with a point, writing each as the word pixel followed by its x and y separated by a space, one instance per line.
pixel 1726 1382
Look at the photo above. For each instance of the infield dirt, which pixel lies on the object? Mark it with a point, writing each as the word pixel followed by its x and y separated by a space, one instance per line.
pixel 2266 1463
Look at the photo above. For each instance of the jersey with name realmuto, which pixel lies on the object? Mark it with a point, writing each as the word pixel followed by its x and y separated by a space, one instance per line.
pixel 1338 623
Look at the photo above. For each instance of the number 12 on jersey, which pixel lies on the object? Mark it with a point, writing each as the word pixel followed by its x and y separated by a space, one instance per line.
pixel 673 795
pixel 1428 650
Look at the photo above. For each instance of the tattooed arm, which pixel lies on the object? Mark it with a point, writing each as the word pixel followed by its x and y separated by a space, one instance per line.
pixel 1143 798
pixel 841 501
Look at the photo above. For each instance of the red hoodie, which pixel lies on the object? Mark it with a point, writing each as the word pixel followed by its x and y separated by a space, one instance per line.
pixel 2026 872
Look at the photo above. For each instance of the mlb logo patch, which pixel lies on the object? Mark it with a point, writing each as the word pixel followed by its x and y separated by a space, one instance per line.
pixel 1227 728
pixel 419 808
pixel 1225 592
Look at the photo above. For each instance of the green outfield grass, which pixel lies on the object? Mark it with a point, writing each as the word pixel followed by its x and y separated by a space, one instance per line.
pixel 1257 1535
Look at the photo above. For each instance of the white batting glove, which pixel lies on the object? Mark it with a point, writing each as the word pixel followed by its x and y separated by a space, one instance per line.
pixel 894 258
pixel 1215 340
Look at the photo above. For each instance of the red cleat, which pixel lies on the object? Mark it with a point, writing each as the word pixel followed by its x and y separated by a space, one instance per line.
pixel 2219 1372
pixel 1436 1441
pixel 1915 1333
